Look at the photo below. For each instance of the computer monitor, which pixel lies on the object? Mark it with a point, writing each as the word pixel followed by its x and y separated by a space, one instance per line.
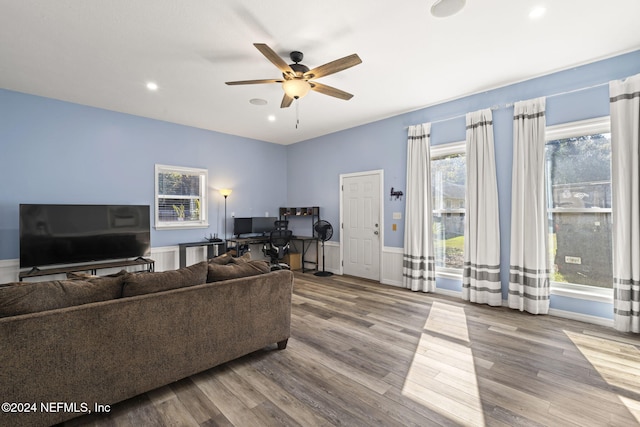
pixel 263 224
pixel 242 226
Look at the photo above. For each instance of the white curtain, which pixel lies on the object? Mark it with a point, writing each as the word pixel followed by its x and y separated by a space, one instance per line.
pixel 418 266
pixel 481 275
pixel 529 271
pixel 625 186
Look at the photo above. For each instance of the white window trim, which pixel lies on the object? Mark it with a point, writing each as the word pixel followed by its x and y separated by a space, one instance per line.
pixel 168 225
pixel 443 150
pixel 581 127
pixel 570 130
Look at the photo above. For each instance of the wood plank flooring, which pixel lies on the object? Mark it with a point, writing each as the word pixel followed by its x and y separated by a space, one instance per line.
pixel 365 354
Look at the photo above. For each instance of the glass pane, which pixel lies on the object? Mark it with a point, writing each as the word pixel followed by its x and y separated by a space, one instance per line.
pixel 579 172
pixel 448 241
pixel 448 175
pixel 178 184
pixel 178 209
pixel 580 248
pixel 579 177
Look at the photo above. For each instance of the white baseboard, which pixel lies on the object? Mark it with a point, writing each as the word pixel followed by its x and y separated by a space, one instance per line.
pixel 167 258
pixel 9 269
pixel 581 317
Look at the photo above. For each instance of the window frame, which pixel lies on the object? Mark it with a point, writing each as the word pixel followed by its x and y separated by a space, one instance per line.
pixel 436 152
pixel 202 222
pixel 578 128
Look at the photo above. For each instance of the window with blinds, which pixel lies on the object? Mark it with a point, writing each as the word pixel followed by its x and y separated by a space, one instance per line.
pixel 180 197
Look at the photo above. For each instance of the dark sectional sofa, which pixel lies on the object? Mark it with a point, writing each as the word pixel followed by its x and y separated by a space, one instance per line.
pixel 67 346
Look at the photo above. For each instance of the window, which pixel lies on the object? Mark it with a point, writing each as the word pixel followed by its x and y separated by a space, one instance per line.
pixel 180 197
pixel 578 180
pixel 448 176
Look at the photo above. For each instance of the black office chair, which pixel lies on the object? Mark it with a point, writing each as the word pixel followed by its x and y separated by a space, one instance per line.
pixel 277 248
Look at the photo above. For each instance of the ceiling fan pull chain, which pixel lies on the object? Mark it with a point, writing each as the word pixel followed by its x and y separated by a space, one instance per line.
pixel 297 113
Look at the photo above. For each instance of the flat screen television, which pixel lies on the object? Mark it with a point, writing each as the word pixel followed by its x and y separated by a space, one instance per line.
pixel 69 234
pixel 262 224
pixel 242 226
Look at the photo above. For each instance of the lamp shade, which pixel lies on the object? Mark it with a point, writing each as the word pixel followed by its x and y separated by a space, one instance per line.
pixel 296 88
pixel 225 192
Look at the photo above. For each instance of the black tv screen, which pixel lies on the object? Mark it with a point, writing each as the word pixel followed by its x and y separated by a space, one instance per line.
pixel 262 224
pixel 68 234
pixel 242 226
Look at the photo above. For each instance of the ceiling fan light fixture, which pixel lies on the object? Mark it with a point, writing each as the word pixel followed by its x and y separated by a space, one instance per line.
pixel 296 88
pixel 446 8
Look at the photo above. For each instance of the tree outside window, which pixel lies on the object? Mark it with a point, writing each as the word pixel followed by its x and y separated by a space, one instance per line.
pixel 578 169
pixel 448 186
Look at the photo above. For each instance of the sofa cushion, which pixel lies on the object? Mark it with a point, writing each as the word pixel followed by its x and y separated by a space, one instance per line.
pixel 233 270
pixel 146 283
pixel 227 258
pixel 32 297
pixel 241 259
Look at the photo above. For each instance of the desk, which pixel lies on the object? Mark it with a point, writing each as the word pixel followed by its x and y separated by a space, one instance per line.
pixel 239 242
pixel 210 250
pixel 305 242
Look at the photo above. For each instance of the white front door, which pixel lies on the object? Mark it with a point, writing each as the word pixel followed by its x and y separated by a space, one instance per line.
pixel 361 227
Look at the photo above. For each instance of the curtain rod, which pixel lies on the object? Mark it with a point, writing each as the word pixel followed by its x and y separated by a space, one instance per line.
pixel 511 104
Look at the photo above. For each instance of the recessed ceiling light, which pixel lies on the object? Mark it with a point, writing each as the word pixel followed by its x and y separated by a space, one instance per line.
pixel 271 118
pixel 537 12
pixel 152 86
pixel 446 8
pixel 258 101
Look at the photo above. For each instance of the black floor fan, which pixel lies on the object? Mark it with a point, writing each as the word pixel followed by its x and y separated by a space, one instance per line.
pixel 323 231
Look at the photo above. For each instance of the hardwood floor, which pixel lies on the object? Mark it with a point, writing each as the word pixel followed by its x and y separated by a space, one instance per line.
pixel 365 354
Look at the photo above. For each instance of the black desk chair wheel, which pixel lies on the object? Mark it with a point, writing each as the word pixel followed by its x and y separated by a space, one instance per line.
pixel 277 248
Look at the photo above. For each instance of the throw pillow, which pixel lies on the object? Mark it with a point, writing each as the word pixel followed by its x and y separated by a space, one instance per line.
pixel 32 297
pixel 242 259
pixel 147 283
pixel 217 273
pixel 223 259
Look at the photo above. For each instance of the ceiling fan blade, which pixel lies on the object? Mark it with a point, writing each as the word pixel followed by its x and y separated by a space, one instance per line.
pixel 331 91
pixel 254 82
pixel 333 67
pixel 274 58
pixel 286 101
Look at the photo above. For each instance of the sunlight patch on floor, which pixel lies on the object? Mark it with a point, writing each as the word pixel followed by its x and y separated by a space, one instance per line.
pixel 442 374
pixel 616 362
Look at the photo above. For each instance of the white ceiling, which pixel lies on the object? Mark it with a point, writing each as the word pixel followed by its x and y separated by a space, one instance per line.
pixel 103 52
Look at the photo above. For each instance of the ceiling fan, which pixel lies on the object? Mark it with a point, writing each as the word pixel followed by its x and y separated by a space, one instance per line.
pixel 297 79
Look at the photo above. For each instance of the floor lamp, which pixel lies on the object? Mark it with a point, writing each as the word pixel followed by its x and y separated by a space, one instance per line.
pixel 225 192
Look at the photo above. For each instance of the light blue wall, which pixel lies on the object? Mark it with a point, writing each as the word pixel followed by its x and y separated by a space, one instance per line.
pixel 57 152
pixel 382 145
